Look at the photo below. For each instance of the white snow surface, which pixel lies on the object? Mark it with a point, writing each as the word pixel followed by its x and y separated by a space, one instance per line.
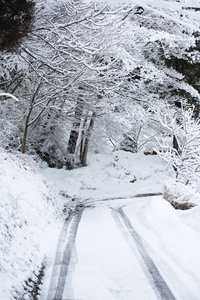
pixel 171 10
pixel 104 266
pixel 110 175
pixel 28 222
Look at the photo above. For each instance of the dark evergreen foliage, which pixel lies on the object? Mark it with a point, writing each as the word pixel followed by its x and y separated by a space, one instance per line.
pixel 129 142
pixel 16 20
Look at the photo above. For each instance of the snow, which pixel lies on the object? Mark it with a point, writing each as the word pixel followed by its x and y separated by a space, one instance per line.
pixel 109 175
pixel 170 10
pixel 104 262
pixel 9 95
pixel 168 233
pixel 28 222
pixel 106 267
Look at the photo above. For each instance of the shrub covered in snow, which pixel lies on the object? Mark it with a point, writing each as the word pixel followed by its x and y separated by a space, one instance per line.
pixel 181 196
pixel 184 155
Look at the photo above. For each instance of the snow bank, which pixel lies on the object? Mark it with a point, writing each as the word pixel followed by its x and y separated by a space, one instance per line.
pixel 173 234
pixel 186 252
pixel 27 221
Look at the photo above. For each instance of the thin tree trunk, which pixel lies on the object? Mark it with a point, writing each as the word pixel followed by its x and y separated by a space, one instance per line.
pixel 175 143
pixel 82 143
pixel 74 135
pixel 26 130
pixel 176 147
pixel 87 139
pixel 27 124
pixel 73 138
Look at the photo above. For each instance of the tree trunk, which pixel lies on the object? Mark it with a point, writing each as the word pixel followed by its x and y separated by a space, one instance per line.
pixel 27 124
pixel 74 134
pixel 87 139
pixel 73 138
pixel 82 143
pixel 26 130
pixel 175 143
pixel 176 147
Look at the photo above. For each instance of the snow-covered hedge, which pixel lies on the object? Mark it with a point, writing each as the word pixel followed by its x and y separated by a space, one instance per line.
pixel 28 219
pixel 181 196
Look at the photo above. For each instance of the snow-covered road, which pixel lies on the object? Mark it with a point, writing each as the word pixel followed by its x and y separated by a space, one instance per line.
pixel 98 252
pixel 101 256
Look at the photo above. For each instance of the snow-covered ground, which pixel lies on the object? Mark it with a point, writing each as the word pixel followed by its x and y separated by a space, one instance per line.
pixel 110 175
pixel 33 196
pixel 173 235
pixel 106 264
pixel 100 259
pixel 29 223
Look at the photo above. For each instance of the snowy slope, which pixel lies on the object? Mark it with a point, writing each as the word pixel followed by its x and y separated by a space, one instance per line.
pixel 28 219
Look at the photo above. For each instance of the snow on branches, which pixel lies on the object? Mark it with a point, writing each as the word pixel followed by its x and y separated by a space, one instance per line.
pixel 182 153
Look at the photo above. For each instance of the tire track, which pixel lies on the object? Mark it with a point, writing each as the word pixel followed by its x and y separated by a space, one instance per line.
pixel 62 260
pixel 144 195
pixel 162 290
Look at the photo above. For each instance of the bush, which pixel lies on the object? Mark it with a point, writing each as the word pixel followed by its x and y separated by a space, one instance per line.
pixel 180 196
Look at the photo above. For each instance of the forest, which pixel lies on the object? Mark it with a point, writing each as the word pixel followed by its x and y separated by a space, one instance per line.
pixel 91 74
pixel 80 77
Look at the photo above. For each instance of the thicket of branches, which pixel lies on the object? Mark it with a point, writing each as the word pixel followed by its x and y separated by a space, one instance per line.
pixel 91 75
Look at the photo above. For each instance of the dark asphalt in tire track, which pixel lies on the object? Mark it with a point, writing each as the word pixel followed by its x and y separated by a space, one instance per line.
pixel 145 195
pixel 67 255
pixel 70 225
pixel 162 289
pixel 61 241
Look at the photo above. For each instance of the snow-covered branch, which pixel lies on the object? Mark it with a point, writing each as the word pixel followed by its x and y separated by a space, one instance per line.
pixel 9 96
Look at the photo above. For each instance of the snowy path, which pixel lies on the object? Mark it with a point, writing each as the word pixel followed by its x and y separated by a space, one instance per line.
pixel 151 271
pixel 101 256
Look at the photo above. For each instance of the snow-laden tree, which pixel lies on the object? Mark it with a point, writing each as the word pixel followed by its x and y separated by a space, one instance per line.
pixel 90 69
pixel 71 66
pixel 154 39
pixel 182 151
pixel 86 54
